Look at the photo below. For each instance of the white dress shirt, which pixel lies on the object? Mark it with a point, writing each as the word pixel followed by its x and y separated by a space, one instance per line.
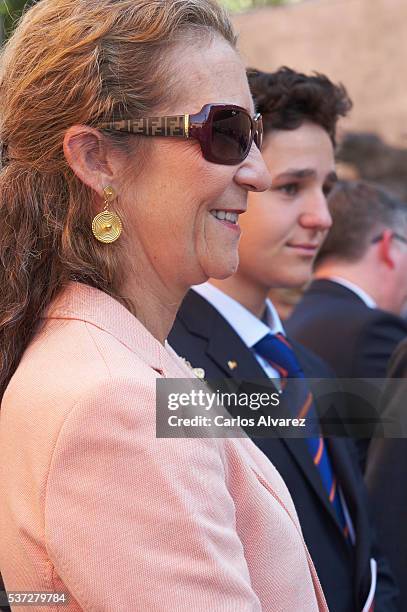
pixel 248 327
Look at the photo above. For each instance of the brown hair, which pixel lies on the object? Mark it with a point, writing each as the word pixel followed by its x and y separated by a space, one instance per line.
pixel 69 63
pixel 359 211
pixel 287 99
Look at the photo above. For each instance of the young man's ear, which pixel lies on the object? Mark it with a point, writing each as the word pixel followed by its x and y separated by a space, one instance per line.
pixel 385 248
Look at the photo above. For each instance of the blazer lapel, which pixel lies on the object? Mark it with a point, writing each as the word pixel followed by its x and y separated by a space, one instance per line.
pixel 228 351
pixel 298 449
pixel 224 346
pixel 237 362
pixel 346 475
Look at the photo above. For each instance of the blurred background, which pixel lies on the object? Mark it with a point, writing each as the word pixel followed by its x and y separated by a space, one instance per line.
pixel 363 44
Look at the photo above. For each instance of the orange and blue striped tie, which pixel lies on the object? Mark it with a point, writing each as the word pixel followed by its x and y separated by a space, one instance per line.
pixel 277 351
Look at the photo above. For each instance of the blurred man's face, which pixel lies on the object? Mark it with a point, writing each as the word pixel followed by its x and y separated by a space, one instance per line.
pixel 285 226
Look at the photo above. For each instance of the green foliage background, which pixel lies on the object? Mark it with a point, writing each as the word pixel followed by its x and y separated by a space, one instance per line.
pixel 10 10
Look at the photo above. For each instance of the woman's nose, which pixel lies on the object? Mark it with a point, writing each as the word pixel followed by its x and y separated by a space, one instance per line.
pixel 253 174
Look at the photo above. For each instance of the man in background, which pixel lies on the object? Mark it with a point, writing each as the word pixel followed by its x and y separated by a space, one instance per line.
pixel 231 330
pixel 350 314
pixel 386 473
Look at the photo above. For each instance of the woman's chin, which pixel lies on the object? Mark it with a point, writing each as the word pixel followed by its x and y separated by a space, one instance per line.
pixel 223 267
pixel 219 267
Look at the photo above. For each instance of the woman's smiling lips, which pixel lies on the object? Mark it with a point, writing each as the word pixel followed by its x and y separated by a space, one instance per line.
pixel 228 218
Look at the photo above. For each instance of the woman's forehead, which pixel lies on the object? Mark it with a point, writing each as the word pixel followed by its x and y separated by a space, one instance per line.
pixel 213 73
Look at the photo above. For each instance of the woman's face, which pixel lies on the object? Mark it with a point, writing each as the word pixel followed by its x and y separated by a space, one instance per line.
pixel 168 205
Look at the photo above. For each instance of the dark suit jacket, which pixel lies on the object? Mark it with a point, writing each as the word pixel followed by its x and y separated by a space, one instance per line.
pixel 355 340
pixel 386 475
pixel 205 338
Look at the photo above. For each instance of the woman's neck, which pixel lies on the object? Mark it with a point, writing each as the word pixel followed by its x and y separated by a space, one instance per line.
pixel 155 308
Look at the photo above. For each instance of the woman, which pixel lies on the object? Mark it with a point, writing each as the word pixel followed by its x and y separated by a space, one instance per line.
pixel 104 230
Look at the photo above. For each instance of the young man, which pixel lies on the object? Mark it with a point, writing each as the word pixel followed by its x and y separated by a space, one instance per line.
pixel 230 329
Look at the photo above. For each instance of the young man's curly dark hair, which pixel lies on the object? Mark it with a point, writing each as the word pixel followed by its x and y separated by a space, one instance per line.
pixel 287 99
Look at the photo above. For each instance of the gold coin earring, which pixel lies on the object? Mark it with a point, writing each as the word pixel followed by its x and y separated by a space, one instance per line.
pixel 107 225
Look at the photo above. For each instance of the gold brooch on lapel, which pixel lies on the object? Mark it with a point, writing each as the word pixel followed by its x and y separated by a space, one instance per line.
pixel 232 365
pixel 199 372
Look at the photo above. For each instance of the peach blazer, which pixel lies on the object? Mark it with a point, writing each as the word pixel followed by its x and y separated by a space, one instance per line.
pixel 94 505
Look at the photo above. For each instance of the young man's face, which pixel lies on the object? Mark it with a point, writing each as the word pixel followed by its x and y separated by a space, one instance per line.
pixel 284 226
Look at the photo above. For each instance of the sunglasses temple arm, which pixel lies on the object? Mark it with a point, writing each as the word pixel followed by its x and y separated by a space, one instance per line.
pixel 173 126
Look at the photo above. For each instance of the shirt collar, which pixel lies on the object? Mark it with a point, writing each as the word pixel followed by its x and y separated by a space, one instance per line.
pixel 248 327
pixel 365 297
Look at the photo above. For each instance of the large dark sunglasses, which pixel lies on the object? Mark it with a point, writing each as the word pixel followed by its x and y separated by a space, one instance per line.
pixel 224 131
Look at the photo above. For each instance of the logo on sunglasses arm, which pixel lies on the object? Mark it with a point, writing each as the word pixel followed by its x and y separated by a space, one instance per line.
pixel 167 126
pixel 159 126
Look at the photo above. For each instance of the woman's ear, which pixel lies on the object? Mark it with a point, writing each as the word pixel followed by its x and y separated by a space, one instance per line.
pixel 86 153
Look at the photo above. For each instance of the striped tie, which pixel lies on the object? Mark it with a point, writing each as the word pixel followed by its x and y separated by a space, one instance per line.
pixel 277 351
